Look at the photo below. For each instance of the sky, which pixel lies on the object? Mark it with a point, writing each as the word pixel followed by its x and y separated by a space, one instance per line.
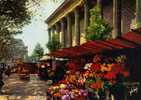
pixel 36 31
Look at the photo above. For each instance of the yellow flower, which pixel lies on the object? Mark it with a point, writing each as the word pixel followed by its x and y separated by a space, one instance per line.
pixel 105 67
pixel 62 86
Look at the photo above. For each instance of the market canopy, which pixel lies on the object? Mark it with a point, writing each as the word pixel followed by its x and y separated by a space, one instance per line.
pixel 128 40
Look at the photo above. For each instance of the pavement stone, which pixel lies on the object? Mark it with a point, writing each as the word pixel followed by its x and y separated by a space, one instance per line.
pixel 17 89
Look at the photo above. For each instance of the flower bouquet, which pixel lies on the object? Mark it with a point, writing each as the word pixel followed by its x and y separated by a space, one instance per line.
pixel 67 92
pixel 104 76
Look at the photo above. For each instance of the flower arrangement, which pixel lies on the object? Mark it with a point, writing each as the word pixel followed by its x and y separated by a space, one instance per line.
pixel 70 87
pixel 104 74
pixel 67 92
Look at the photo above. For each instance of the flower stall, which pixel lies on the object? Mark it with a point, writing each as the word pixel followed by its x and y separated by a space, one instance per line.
pixel 104 76
pixel 99 79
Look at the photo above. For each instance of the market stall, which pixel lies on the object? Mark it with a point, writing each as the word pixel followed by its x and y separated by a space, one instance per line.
pixel 114 65
pixel 51 68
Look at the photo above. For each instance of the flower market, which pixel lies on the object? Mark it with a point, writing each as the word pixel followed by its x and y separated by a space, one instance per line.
pixel 70 50
pixel 99 70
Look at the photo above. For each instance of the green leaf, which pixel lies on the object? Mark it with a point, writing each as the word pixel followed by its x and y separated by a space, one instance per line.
pixel 98 28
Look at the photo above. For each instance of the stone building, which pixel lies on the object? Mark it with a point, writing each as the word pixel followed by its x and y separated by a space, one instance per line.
pixel 71 18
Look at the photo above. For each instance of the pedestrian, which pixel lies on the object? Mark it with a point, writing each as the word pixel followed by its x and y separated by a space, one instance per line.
pixel 8 71
pixel 1 80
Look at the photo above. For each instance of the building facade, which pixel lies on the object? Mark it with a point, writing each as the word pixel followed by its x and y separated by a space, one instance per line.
pixel 71 19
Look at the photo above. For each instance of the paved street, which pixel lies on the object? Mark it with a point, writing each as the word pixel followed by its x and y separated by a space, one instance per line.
pixel 16 89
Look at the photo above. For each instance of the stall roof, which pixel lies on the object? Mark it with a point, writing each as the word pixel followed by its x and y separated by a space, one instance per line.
pixel 128 40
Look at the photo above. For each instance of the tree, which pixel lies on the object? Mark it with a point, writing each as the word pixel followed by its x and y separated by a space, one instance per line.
pixel 14 14
pixel 38 52
pixel 53 44
pixel 14 48
pixel 17 11
pixel 98 28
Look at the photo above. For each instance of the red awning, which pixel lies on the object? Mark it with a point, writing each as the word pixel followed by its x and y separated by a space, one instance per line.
pixel 128 40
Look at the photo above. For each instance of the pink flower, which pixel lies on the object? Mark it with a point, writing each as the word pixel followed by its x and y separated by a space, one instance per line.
pixel 66 97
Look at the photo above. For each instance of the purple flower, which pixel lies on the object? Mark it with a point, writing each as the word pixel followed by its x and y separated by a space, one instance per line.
pixel 62 91
pixel 66 97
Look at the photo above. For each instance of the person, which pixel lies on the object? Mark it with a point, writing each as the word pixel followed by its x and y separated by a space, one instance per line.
pixel 59 72
pixel 8 71
pixel 1 80
pixel 43 72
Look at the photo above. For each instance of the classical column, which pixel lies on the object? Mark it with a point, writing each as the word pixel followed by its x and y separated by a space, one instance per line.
pixel 57 31
pixel 69 31
pixel 53 30
pixel 117 18
pixel 63 33
pixel 49 34
pixel 138 13
pixel 86 15
pixel 77 26
pixel 57 27
pixel 99 3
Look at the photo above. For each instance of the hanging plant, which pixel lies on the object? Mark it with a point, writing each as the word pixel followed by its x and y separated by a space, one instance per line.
pixel 98 28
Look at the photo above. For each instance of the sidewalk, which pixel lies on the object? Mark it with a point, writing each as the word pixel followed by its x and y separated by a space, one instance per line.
pixel 12 97
pixel 16 89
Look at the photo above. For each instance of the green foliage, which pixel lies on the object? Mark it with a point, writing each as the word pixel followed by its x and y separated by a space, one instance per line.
pixel 14 14
pixel 98 28
pixel 53 44
pixel 12 48
pixel 38 52
pixel 15 11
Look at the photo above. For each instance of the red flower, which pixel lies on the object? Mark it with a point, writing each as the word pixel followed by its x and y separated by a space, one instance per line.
pixel 125 73
pixel 96 67
pixel 72 66
pixel 97 85
pixel 110 75
pixel 100 75
pixel 62 81
pixel 97 58
pixel 117 68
